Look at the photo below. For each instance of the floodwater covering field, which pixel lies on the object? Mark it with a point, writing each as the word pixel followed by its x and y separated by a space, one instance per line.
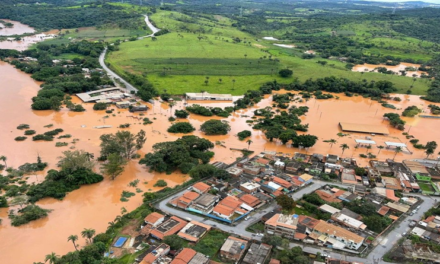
pixel 17 28
pixel 25 42
pixel 95 205
pixel 396 69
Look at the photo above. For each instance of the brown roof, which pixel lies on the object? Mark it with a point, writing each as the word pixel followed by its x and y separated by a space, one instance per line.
pixel 231 202
pixel 250 200
pixel 263 161
pixel 383 210
pixel 224 210
pixel 364 128
pixel 203 187
pixel 159 234
pixel 153 217
pixel 308 221
pixel 184 256
pixel 326 228
pixel 327 196
pixel 300 236
pixel 296 182
pixel 281 182
pixel 391 195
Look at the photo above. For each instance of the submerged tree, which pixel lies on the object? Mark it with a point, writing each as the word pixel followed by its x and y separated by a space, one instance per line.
pixel 344 147
pixel 88 234
pixel 123 142
pixel 73 238
pixel 72 161
pixel 114 165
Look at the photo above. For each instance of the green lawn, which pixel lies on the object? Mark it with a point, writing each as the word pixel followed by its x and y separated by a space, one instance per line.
pixel 426 187
pixel 211 243
pixel 181 62
pixel 258 227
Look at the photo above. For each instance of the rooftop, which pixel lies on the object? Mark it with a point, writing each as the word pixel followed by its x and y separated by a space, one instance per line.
pixel 403 208
pixel 193 231
pixel 208 95
pixel 329 229
pixel 289 221
pixel 184 256
pixel 203 187
pixel 206 199
pixel 250 185
pixel 169 227
pixel 153 218
pixel 102 94
pixel 364 128
pixel 234 245
pixel 257 253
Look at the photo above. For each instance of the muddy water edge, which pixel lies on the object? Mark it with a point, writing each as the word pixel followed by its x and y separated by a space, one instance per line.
pixel 95 205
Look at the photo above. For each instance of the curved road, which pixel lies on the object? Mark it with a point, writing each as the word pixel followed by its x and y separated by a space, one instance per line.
pixel 111 73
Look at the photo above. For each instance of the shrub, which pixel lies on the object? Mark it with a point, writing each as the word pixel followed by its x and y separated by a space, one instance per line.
pixel 181 114
pixel 53 132
pixel 160 183
pixel 61 144
pixel 28 214
pixel 181 127
pixel 147 121
pixel 20 138
pixel 171 119
pixel 244 134
pixel 29 132
pixel 127 125
pixel 285 73
pixel 215 127
pixel 23 126
pixel 100 106
pixel 42 137
pixel 65 136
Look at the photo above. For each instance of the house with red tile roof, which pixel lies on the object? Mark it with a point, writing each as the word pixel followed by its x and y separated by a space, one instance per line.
pixel 201 187
pixel 154 219
pixel 282 182
pixel 154 256
pixel 228 206
pixel 184 256
pixel 185 200
pixel 327 196
pixel 250 200
pixel 167 228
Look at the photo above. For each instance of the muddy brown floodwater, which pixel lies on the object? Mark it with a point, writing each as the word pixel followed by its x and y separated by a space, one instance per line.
pixel 397 68
pixel 17 29
pixel 95 205
pixel 25 42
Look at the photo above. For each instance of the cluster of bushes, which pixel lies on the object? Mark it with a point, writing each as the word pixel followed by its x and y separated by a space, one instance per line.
pixel 244 134
pixel 209 111
pixel 27 214
pixel 395 120
pixel 411 111
pixel 184 154
pixel 181 114
pixel 435 110
pixel 181 127
pixel 23 126
pixel 127 125
pixel 215 127
pixel 100 106
pixel 58 183
pixel 20 138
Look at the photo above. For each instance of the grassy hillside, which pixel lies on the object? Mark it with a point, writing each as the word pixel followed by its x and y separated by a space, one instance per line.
pixel 208 48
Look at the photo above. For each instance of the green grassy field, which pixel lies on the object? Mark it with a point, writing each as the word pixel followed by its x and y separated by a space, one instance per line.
pixel 180 62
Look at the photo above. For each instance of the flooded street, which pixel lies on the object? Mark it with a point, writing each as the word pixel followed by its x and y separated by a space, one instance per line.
pixel 95 205
pixel 396 69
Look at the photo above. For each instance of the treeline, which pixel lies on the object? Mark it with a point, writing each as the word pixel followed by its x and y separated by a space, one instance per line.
pixel 46 17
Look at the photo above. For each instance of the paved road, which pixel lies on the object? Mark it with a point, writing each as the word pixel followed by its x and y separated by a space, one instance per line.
pixel 240 228
pixel 111 73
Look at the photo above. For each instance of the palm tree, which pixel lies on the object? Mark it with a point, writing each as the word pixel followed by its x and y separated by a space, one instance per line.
pixel 52 257
pixel 331 142
pixel 88 234
pixel 249 142
pixel 111 225
pixel 380 148
pixel 3 158
pixel 397 150
pixel 73 238
pixel 344 147
pixel 368 147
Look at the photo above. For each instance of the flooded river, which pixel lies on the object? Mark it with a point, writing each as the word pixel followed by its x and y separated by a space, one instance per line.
pixel 401 67
pixel 95 205
pixel 17 28
pixel 25 42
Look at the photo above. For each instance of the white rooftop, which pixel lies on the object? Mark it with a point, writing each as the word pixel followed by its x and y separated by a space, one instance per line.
pixel 274 185
pixel 250 185
pixel 363 141
pixel 329 209
pixel 395 144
